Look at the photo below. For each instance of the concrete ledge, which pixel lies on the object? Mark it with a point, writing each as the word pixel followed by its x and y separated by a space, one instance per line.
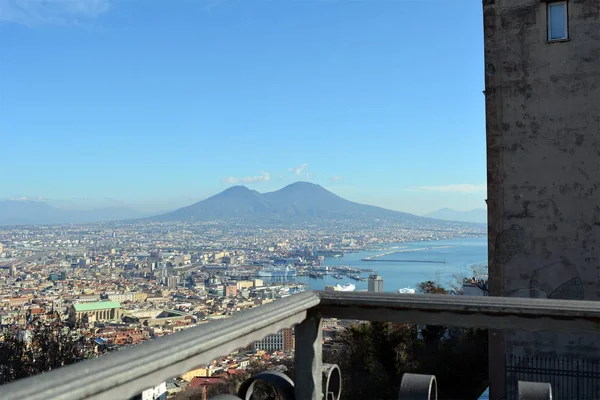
pixel 464 311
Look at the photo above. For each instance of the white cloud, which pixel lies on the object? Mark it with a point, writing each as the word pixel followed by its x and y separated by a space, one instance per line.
pixel 298 170
pixel 18 198
pixel 54 12
pixel 454 188
pixel 308 176
pixel 335 178
pixel 265 177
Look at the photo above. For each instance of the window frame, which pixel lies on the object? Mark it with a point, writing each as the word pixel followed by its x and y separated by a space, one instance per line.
pixel 549 37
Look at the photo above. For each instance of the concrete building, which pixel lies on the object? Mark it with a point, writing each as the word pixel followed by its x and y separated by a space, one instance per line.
pixel 173 281
pixel 128 296
pixel 289 341
pixel 241 285
pixel 230 291
pixel 156 393
pixel 475 287
pixel 121 297
pixel 542 94
pixel 95 312
pixel 375 283
pixel 282 340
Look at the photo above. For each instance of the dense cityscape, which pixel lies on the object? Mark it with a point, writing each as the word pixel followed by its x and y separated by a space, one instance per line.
pixel 119 284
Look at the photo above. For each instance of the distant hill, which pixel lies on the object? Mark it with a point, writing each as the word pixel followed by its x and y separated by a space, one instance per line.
pixel 300 201
pixel 478 215
pixel 295 203
pixel 19 212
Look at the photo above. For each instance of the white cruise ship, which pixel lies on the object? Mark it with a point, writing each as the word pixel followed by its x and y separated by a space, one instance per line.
pixel 341 288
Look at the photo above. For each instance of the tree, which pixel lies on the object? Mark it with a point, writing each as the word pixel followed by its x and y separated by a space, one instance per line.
pixel 372 357
pixel 477 271
pixel 40 348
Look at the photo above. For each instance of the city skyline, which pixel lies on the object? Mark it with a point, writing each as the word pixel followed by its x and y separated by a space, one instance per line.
pixel 260 94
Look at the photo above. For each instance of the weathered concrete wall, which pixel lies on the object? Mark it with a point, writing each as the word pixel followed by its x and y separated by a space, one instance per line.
pixel 543 143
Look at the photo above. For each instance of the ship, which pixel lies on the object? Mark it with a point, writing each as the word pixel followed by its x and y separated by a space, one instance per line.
pixel 271 272
pixel 340 288
pixel 349 287
pixel 406 291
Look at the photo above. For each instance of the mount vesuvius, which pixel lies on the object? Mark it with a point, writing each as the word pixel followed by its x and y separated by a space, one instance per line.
pixel 300 201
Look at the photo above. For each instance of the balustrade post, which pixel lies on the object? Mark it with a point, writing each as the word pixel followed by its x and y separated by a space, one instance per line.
pixel 308 357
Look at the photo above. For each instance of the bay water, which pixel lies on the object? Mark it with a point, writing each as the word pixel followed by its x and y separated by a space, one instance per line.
pixel 440 261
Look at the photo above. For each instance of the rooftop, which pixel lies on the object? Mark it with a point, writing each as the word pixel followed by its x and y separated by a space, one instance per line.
pixel 98 305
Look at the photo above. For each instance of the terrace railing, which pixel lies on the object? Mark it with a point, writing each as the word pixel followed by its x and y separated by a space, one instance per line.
pixel 126 373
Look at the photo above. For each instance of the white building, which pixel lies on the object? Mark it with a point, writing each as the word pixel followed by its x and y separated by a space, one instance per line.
pixel 375 283
pixel 156 393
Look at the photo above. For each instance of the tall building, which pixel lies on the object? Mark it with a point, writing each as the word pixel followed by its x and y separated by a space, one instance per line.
pixel 375 283
pixel 173 282
pixel 1 248
pixel 542 95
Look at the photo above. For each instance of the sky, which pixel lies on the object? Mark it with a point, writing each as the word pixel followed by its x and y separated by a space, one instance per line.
pixel 157 104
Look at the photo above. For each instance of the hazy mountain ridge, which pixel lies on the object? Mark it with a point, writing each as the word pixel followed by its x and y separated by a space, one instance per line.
pixel 29 212
pixel 296 203
pixel 477 215
pixel 300 201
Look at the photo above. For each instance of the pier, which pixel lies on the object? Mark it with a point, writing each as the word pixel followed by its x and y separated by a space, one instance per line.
pixel 405 261
pixel 371 258
pixel 377 256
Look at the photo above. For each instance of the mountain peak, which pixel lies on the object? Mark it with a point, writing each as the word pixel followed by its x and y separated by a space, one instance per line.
pixel 236 189
pixel 302 185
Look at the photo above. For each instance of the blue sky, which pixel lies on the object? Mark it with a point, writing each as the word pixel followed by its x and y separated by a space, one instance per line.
pixel 154 104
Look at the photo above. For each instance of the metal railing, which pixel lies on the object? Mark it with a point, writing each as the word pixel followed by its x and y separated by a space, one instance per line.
pixel 123 374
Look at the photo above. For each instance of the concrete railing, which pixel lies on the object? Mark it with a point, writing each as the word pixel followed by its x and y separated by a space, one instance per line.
pixel 125 373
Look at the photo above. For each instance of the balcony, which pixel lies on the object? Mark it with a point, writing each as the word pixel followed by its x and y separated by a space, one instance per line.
pixel 126 373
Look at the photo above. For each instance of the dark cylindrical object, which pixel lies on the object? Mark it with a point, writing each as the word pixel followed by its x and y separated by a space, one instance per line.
pixel 418 387
pixel 535 391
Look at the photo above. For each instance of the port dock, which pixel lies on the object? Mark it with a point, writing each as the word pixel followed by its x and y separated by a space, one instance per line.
pixel 406 261
pixel 378 256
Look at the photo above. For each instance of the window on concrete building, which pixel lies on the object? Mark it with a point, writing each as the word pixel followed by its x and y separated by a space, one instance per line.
pixel 558 28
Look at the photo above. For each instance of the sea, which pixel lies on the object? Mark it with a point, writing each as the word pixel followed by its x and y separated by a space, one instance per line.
pixel 440 261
